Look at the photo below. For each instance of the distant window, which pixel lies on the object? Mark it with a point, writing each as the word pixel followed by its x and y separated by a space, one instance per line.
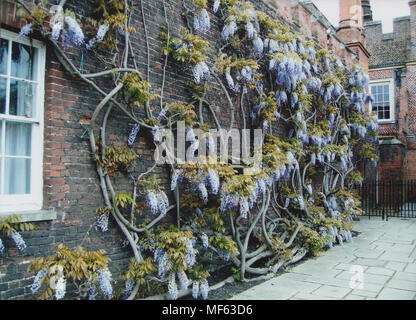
pixel 22 65
pixel 383 104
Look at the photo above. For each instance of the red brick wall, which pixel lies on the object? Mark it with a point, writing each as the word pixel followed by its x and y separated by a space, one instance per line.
pixel 71 185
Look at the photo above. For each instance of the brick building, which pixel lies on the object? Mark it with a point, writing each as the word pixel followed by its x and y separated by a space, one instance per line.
pixel 63 191
pixel 392 69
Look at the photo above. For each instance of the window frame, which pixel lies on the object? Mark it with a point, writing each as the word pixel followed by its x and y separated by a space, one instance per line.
pixel 390 82
pixel 34 200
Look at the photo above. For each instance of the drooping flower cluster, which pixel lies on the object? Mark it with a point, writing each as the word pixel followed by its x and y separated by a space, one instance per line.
pixel 1 247
pixel 38 279
pixel 92 292
pixel 183 280
pixel 102 31
pixel 102 221
pixel 201 72
pixel 129 286
pixel 162 259
pixel 60 288
pixel 195 289
pixel 157 201
pixel 202 22
pixel 104 280
pixel 190 256
pixel 204 289
pixel 25 31
pixel 172 286
pixel 18 240
pixel 133 134
pixel 72 35
pixel 204 239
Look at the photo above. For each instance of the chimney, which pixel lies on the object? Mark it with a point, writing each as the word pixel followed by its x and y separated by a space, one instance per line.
pixel 350 28
pixel 412 5
pixel 351 13
pixel 367 12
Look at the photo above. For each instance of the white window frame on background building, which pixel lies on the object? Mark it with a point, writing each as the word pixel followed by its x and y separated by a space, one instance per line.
pixel 32 201
pixel 390 83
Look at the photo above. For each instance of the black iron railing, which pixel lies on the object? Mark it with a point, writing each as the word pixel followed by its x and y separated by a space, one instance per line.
pixel 389 199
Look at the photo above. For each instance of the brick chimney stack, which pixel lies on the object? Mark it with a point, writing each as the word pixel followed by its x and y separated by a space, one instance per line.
pixel 350 28
pixel 412 5
pixel 350 13
pixel 367 12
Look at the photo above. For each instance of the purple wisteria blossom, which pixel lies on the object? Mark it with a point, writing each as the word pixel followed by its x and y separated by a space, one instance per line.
pixel 172 287
pixel 60 288
pixel 201 72
pixel 25 31
pixel 133 134
pixel 73 34
pixel 104 280
pixel 38 279
pixel 18 240
pixel 202 22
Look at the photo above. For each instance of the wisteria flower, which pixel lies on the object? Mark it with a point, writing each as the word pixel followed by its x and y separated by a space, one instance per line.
pixel 172 287
pixel 195 289
pixel 201 72
pixel 183 280
pixel 1 247
pixel 202 21
pixel 204 289
pixel 216 5
pixel 38 279
pixel 104 280
pixel 73 34
pixel 18 240
pixel 25 31
pixel 133 134
pixel 102 221
pixel 205 241
pixel 60 288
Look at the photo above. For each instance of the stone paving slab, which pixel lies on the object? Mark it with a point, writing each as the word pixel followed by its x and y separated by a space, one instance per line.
pixel 367 277
pixel 402 284
pixel 332 291
pixel 383 257
pixel 395 294
pixel 308 296
pixel 379 271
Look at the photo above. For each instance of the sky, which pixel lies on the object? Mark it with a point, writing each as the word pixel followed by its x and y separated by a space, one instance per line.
pixel 384 10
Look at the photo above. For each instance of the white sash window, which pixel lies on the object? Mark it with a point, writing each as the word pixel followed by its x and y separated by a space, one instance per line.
pixel 22 72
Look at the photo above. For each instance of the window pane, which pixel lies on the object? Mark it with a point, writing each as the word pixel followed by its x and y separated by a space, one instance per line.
pixel 386 96
pixel 4 49
pixel 23 61
pixel 379 89
pixel 386 88
pixel 380 115
pixel 379 97
pixel 22 98
pixel 373 90
pixel 18 139
pixel 3 84
pixel 17 176
pixel 387 114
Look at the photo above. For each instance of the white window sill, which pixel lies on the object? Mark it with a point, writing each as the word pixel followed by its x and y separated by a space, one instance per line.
pixel 32 216
pixel 386 121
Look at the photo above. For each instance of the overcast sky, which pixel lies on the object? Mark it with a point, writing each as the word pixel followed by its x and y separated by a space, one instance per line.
pixel 384 10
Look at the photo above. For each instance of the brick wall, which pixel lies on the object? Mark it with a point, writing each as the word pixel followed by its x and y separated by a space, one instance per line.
pixel 392 53
pixel 71 185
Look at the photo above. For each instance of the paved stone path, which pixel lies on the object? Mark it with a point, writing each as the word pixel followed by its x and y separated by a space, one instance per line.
pixel 378 264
